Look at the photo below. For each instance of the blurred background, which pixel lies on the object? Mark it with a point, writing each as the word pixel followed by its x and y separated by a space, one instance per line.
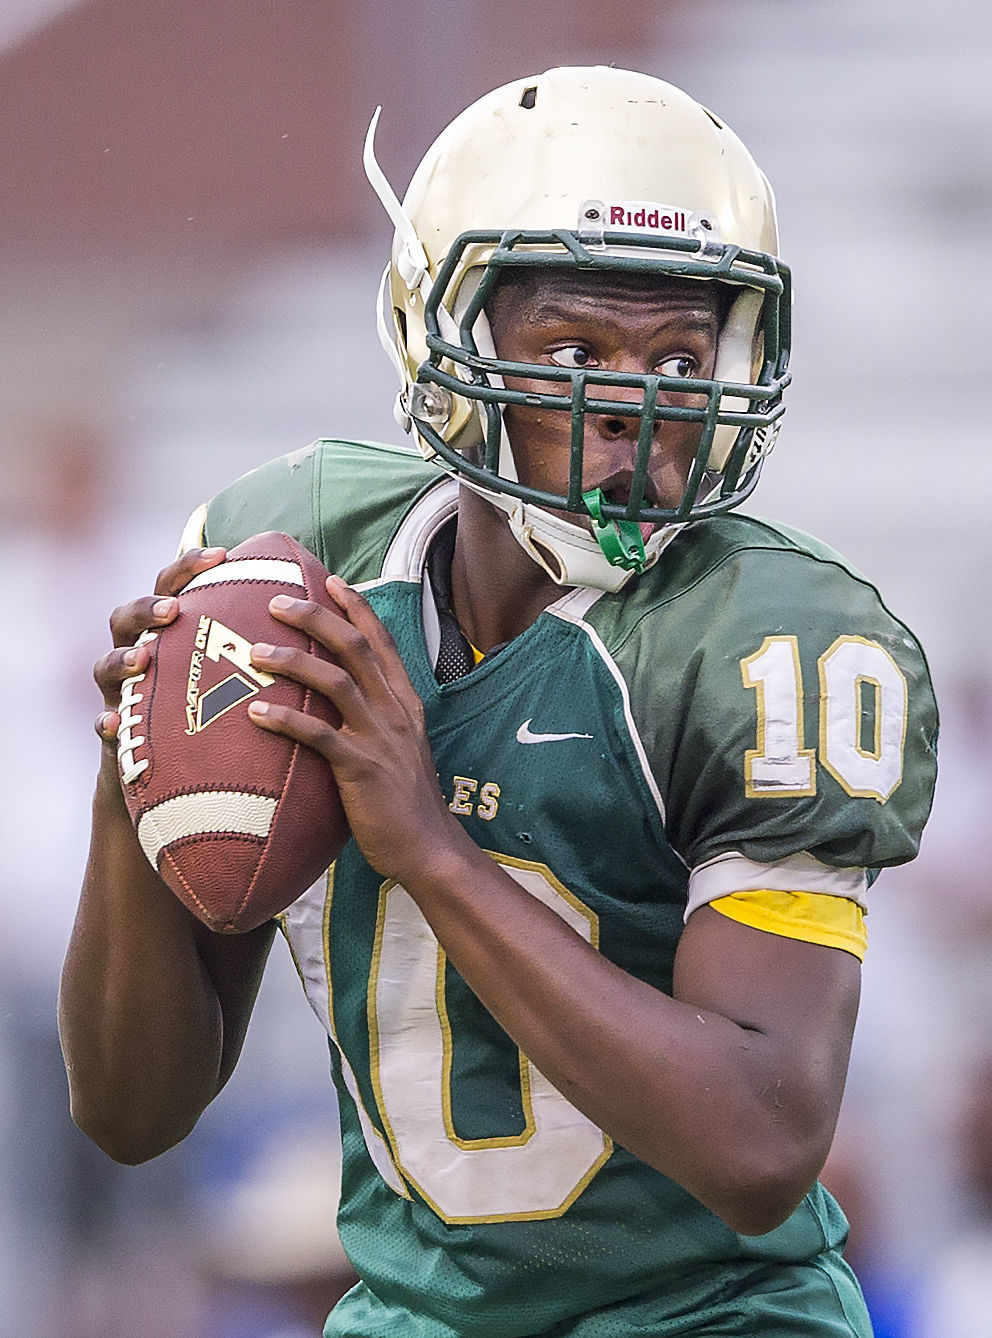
pixel 189 254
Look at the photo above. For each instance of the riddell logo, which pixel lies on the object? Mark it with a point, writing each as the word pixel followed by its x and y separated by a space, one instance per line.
pixel 643 214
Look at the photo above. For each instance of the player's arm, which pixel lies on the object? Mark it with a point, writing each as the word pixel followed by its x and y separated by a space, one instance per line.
pixel 731 1087
pixel 153 1008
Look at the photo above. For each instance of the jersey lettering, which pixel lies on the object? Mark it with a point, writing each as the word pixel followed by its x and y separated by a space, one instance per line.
pixel 860 682
pixel 465 789
pixel 779 764
pixel 862 719
pixel 536 1173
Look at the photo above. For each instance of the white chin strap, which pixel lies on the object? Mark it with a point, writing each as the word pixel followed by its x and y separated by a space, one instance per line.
pixel 569 554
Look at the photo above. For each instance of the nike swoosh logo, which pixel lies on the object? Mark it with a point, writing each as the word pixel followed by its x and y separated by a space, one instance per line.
pixel 524 735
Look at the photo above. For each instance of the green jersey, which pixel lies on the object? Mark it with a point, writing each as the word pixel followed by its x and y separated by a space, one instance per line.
pixel 746 714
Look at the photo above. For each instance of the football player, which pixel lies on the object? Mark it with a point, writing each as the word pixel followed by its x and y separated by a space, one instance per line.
pixel 619 765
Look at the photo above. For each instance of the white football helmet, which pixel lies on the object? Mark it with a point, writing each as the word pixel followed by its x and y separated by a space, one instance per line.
pixel 595 169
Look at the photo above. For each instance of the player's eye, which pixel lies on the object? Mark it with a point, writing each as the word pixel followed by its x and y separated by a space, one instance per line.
pixel 681 365
pixel 573 355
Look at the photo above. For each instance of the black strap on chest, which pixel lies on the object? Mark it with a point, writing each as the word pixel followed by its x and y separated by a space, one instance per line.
pixel 455 656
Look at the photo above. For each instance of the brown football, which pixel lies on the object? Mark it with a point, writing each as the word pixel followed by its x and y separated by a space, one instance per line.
pixel 238 821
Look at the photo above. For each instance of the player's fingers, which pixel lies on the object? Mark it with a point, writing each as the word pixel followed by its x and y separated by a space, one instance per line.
pixel 128 621
pixel 345 754
pixel 298 725
pixel 323 676
pixel 106 725
pixel 179 573
pixel 346 643
pixel 358 641
pixel 332 631
pixel 111 669
pixel 359 614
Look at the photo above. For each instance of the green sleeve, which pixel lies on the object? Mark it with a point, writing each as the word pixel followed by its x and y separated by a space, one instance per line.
pixel 276 496
pixel 796 714
pixel 343 500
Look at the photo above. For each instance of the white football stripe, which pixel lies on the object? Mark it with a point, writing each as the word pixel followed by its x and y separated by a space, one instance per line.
pixel 198 814
pixel 283 570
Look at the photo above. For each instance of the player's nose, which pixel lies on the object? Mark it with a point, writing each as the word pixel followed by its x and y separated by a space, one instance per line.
pixel 613 427
pixel 616 426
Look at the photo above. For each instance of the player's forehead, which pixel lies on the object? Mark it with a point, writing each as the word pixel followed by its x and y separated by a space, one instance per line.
pixel 537 295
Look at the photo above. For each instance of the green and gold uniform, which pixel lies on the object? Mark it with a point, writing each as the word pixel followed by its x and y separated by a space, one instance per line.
pixel 745 725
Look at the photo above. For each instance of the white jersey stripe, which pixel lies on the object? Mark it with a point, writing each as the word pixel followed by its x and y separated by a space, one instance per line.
pixel 304 925
pixel 408 547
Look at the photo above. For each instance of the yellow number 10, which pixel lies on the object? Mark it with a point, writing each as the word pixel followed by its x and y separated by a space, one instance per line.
pixel 862 726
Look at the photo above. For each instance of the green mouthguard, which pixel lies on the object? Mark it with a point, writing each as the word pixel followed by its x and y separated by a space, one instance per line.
pixel 620 540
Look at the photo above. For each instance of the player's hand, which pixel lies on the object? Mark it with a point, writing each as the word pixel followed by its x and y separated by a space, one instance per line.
pixel 141 615
pixel 380 753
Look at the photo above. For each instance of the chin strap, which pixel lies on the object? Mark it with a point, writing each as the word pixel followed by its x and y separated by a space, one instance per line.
pixel 621 540
pixel 568 553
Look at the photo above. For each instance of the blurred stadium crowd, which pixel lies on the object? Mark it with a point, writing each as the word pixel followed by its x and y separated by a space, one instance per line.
pixel 174 318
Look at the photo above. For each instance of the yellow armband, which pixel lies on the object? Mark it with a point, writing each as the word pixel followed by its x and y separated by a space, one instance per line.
pixel 814 917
